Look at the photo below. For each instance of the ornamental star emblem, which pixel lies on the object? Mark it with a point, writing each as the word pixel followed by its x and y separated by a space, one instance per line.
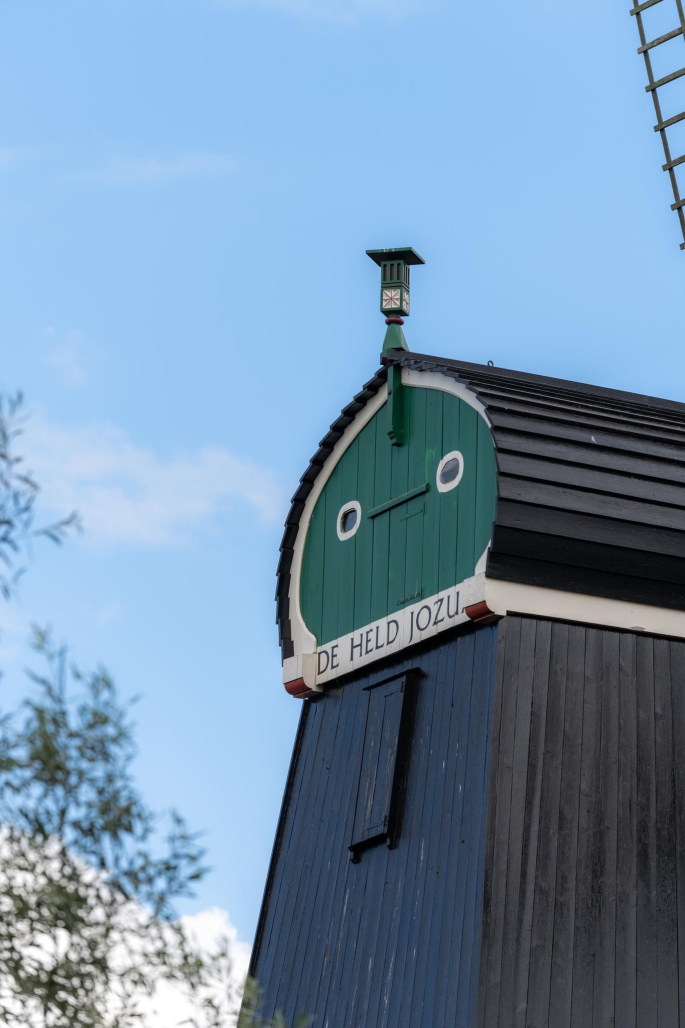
pixel 406 302
pixel 391 298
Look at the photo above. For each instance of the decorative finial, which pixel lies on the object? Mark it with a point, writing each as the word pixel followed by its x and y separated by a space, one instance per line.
pixel 395 282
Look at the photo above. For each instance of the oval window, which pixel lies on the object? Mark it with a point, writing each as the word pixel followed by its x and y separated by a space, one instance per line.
pixel 450 470
pixel 349 519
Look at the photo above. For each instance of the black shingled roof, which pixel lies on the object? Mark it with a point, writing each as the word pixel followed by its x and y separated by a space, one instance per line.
pixel 591 485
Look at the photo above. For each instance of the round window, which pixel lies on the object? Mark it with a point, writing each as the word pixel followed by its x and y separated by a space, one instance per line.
pixel 349 519
pixel 450 470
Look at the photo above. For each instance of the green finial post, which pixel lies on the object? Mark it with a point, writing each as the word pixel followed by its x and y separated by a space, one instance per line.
pixel 395 282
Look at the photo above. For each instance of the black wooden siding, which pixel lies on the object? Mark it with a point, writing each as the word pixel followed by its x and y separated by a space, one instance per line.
pixel 591 484
pixel 584 899
pixel 393 940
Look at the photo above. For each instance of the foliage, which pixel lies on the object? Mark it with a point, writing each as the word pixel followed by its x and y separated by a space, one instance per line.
pixel 18 493
pixel 249 1013
pixel 88 879
pixel 87 882
pixel 87 927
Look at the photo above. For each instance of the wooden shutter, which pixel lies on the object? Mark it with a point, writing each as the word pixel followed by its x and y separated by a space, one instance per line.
pixel 379 764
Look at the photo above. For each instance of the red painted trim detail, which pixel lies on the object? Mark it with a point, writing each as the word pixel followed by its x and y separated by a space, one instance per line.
pixel 298 689
pixel 394 321
pixel 480 613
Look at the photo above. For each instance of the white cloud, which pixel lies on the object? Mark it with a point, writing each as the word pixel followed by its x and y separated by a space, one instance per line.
pixel 170 1007
pixel 161 169
pixel 66 358
pixel 129 494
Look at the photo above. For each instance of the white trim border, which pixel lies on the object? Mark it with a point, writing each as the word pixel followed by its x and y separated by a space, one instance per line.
pixel 304 642
pixel 516 598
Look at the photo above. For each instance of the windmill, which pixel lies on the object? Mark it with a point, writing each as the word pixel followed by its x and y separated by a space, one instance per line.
pixel 654 85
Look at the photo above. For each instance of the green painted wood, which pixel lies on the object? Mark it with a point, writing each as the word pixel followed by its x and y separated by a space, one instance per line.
pixel 399 483
pixel 396 395
pixel 398 500
pixel 347 572
pixel 381 526
pixel 486 487
pixel 431 521
pixel 449 508
pixel 415 511
pixel 418 542
pixel 331 558
pixel 466 523
pixel 365 540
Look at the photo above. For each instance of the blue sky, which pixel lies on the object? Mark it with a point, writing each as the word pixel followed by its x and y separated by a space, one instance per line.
pixel 187 189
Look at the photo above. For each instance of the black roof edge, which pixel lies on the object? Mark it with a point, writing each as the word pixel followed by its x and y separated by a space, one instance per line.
pixel 303 490
pixel 476 377
pixel 524 377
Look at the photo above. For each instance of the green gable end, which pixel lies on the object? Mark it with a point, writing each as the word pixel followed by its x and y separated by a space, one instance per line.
pixel 409 540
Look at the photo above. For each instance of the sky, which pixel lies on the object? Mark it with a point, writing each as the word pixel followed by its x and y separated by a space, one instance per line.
pixel 187 189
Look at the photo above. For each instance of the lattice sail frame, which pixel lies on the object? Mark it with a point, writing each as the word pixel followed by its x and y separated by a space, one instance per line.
pixel 654 86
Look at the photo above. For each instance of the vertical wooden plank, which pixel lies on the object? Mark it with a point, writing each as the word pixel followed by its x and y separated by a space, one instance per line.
pixel 486 488
pixel 355 994
pixel 332 501
pixel 384 913
pixel 339 899
pixel 488 939
pixel 466 526
pixel 521 682
pixel 417 439
pixel 603 1007
pixel 424 875
pixel 444 967
pixel 349 490
pixel 626 867
pixel 298 908
pixel 379 758
pixel 283 830
pixel 561 980
pixel 666 885
pixel 678 705
pixel 542 933
pixel 588 882
pixel 350 912
pixel 380 525
pixel 431 521
pixel 413 512
pixel 440 837
pixel 451 935
pixel 287 861
pixel 647 969
pixel 393 912
pixel 411 838
pixel 531 823
pixel 399 479
pixel 271 966
pixel 366 487
pixel 334 860
pixel 450 502
pixel 311 585
pixel 502 814
pixel 472 835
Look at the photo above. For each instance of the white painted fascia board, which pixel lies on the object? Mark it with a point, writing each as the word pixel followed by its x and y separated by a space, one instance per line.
pixel 303 640
pixel 516 598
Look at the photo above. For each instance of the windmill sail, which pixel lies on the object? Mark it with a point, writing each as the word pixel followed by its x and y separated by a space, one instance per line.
pixel 663 125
